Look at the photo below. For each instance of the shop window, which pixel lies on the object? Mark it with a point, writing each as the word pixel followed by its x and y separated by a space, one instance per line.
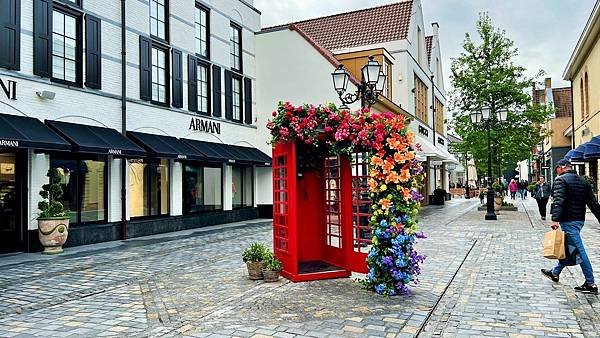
pixel 158 19
pixel 66 40
pixel 84 185
pixel 148 188
pixel 202 189
pixel 235 47
pixel 242 187
pixel 201 23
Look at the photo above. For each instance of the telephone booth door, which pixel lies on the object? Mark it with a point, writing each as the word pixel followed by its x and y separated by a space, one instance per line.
pixel 334 211
pixel 358 238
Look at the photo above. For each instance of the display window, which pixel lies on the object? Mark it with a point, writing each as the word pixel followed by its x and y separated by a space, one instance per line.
pixel 202 188
pixel 148 187
pixel 242 187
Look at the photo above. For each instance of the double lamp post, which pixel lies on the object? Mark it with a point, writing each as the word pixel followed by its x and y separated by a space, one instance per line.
pixel 487 118
pixel 370 87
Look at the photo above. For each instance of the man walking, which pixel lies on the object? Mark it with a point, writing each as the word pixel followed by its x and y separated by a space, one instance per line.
pixel 570 195
pixel 541 193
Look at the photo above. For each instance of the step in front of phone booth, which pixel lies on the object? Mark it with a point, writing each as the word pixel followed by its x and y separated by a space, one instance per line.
pixel 313 218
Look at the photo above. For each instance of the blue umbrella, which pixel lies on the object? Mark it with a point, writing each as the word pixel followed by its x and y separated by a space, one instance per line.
pixel 592 150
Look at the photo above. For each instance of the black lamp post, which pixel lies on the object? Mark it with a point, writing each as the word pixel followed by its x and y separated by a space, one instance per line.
pixel 485 118
pixel 467 187
pixel 371 86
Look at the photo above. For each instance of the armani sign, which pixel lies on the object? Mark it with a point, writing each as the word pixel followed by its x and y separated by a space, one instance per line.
pixel 9 87
pixel 206 126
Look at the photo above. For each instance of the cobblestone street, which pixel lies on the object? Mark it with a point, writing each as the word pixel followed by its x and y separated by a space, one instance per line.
pixel 479 279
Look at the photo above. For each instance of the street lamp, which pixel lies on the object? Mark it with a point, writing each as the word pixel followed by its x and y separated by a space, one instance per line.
pixel 467 187
pixel 485 118
pixel 371 86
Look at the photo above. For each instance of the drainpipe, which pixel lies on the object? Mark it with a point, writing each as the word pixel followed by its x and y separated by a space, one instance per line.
pixel 572 117
pixel 123 122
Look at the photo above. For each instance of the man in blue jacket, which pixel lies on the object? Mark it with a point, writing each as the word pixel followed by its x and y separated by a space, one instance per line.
pixel 570 195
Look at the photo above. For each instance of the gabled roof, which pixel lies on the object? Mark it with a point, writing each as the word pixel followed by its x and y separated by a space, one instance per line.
pixel 359 28
pixel 429 46
pixel 563 102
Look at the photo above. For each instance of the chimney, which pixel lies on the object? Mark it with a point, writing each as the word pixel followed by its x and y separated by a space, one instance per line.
pixel 436 28
pixel 547 83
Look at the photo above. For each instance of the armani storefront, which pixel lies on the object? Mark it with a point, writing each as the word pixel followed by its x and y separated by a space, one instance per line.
pixel 171 184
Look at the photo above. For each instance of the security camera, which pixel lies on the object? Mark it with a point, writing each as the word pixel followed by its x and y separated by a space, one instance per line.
pixel 46 95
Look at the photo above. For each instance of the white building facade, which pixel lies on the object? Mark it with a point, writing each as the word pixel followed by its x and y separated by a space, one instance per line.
pixel 149 112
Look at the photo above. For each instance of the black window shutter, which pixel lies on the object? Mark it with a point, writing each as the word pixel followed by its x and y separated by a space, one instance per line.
pixel 228 96
pixel 42 38
pixel 93 52
pixel 177 74
pixel 248 100
pixel 10 34
pixel 192 84
pixel 145 69
pixel 216 91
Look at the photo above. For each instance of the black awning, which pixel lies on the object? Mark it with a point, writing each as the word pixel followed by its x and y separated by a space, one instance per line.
pixel 255 155
pixel 28 132
pixel 220 152
pixel 165 146
pixel 96 140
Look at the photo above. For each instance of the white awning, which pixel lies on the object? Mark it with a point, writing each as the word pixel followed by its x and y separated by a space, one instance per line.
pixel 449 157
pixel 428 150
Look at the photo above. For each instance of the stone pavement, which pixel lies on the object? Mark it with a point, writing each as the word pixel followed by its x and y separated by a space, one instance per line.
pixel 480 279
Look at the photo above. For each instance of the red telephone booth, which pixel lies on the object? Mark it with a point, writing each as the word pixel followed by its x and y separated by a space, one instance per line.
pixel 320 217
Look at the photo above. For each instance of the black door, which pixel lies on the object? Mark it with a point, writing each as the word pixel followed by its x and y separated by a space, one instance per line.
pixel 11 201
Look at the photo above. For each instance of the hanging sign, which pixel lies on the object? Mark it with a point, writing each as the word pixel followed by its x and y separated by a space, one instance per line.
pixel 205 126
pixel 9 87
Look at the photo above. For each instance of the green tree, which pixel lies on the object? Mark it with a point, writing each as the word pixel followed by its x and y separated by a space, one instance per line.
pixel 485 75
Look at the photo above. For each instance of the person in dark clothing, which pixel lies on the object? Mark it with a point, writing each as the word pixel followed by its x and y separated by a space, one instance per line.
pixel 570 195
pixel 541 193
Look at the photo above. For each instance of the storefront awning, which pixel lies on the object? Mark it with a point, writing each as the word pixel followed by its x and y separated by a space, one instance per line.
pixel 577 153
pixel 220 152
pixel 428 150
pixel 592 149
pixel 165 146
pixel 96 140
pixel 28 132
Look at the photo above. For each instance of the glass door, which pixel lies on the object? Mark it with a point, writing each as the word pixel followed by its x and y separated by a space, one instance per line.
pixel 10 202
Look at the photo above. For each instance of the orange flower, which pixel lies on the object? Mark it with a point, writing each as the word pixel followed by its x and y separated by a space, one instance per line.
pixel 387 166
pixel 385 203
pixel 393 142
pixel 376 161
pixel 392 177
pixel 406 193
pixel 400 157
pixel 410 137
pixel 404 175
pixel 372 184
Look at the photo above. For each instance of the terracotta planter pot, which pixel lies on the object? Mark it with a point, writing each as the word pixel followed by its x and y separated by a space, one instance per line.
pixel 53 233
pixel 255 270
pixel 271 276
pixel 498 203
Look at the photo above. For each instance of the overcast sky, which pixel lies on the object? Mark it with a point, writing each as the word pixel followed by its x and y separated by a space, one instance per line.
pixel 544 31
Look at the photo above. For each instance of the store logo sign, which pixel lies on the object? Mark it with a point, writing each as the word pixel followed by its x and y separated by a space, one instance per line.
pixel 182 157
pixel 9 87
pixel 9 143
pixel 115 151
pixel 205 126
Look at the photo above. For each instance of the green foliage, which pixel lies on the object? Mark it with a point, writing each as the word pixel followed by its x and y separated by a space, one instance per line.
pixel 484 75
pixel 257 252
pixel 273 264
pixel 531 187
pixel 52 193
pixel 498 188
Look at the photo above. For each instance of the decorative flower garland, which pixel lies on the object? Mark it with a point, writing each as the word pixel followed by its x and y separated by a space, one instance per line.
pixel 395 178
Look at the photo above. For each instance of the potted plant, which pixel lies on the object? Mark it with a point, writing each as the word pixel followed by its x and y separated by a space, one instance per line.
pixel 255 258
pixel 272 269
pixel 498 198
pixel 53 220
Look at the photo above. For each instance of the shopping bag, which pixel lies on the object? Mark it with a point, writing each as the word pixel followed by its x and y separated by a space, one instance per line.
pixel 554 244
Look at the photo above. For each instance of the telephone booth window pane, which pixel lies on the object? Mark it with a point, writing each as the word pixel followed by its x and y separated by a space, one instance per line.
pixel 361 203
pixel 332 202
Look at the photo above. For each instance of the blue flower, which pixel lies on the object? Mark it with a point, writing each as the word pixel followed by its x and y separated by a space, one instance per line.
pixel 379 288
pixel 383 223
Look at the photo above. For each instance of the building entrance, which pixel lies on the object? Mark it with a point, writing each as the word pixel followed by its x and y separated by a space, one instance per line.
pixel 11 188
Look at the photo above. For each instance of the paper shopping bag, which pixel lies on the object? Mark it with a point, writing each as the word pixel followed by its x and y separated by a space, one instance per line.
pixel 554 244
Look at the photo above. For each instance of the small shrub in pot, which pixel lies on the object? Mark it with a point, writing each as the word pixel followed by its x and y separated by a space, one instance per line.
pixel 255 257
pixel 272 269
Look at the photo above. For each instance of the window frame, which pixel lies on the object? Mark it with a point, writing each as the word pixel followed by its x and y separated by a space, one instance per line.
pixel 244 167
pixel 421 102
pixel 148 161
pixel 79 159
pixel 78 15
pixel 75 3
pixel 204 165
pixel 167 23
pixel 236 77
pixel 208 86
pixel 166 50
pixel 232 26
pixel 207 11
